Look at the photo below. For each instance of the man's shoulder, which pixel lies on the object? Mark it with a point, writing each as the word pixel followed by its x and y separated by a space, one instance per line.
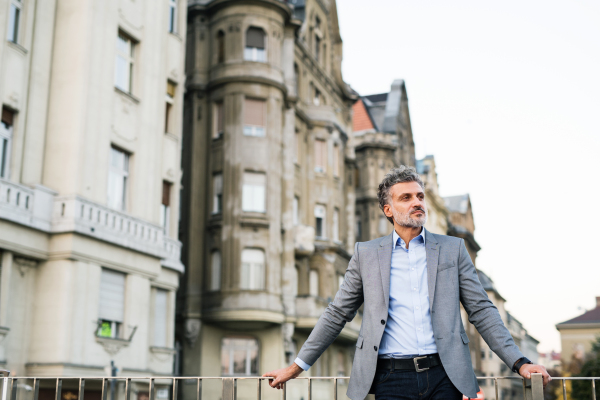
pixel 373 243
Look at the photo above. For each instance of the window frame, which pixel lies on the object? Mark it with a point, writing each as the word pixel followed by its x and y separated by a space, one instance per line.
pixel 217 206
pixel 173 7
pixel 255 130
pixel 323 217
pixel 129 59
pixel 335 235
pixel 259 275
pixel 216 270
pixel 218 119
pixel 321 153
pixel 255 346
pixel 116 325
pixel 248 189
pixel 163 325
pixel 14 36
pixel 165 209
pixel 252 53
pixel 7 129
pixel 121 174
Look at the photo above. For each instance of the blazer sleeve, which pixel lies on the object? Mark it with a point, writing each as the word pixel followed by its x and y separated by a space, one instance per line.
pixel 483 313
pixel 342 309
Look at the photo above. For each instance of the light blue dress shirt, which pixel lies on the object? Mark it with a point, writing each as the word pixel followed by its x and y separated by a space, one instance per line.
pixel 408 331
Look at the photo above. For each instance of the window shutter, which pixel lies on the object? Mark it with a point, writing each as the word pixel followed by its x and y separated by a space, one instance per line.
pixel 254 112
pixel 170 89
pixel 160 318
pixel 112 295
pixel 255 37
pixel 166 193
pixel 7 116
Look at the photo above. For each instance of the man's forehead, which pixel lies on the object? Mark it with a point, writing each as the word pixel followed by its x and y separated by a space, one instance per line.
pixel 406 188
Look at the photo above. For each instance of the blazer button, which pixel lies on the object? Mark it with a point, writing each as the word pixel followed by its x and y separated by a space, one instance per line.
pixel 375 348
pixel 382 322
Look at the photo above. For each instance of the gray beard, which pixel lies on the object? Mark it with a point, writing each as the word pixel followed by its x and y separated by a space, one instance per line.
pixel 407 221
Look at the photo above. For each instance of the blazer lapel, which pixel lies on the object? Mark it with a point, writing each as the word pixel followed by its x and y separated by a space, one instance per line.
pixel 432 250
pixel 385 265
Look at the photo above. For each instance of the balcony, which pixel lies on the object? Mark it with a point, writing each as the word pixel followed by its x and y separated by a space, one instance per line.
pixel 41 209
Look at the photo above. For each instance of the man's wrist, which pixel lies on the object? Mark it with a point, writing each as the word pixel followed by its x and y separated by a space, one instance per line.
pixel 519 363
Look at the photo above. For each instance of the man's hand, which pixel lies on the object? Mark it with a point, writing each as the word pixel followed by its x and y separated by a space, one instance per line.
pixel 283 375
pixel 527 369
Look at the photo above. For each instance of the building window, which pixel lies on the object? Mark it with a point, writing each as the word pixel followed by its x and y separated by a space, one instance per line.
pixel 124 63
pixel 172 16
pixel 253 192
pixel 170 98
pixel 255 45
pixel 14 20
pixel 239 356
pixel 320 155
pixel 313 282
pixel 254 117
pixel 295 211
pixel 160 317
pixel 112 301
pixel 297 148
pixel 218 119
pixel 221 47
pixel 165 209
pixel 336 225
pixel 384 225
pixel 296 80
pixel 318 48
pixel 336 160
pixel 253 269
pixel 215 270
pixel 6 134
pixel 317 97
pixel 320 221
pixel 358 227
pixel 118 176
pixel 217 194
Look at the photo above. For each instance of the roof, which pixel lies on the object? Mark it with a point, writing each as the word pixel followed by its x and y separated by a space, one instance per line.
pixel 458 203
pixel 377 98
pixel 588 317
pixel 486 281
pixel 361 120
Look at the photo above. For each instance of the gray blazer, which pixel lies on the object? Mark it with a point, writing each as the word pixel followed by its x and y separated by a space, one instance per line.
pixel 451 278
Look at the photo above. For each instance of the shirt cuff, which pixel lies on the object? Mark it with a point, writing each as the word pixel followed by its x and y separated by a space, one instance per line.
pixel 301 364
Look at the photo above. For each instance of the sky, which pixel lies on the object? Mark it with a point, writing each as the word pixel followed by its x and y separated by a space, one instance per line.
pixel 506 96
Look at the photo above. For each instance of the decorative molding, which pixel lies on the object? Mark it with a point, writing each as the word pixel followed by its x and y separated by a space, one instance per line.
pixel 24 264
pixel 112 346
pixel 192 330
pixel 3 332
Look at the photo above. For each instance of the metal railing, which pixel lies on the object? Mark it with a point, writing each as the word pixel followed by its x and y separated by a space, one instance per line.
pixel 532 389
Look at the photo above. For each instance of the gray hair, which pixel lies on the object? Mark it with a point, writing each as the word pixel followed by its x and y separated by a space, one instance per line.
pixel 396 175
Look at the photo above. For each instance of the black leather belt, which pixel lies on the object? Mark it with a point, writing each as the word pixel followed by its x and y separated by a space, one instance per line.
pixel 419 364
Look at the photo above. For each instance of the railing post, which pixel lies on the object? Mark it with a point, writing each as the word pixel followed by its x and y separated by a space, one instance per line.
pixel 537 387
pixel 229 388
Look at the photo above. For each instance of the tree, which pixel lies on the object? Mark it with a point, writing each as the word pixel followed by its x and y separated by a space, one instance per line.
pixel 582 390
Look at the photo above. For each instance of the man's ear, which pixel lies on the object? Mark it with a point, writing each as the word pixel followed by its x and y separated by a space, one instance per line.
pixel 387 211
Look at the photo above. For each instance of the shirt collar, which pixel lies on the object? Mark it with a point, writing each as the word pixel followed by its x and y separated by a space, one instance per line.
pixel 395 236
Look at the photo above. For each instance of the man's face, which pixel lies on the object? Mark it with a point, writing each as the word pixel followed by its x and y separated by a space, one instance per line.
pixel 407 205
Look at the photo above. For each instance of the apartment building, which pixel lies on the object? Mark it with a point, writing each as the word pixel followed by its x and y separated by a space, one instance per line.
pixel 90 144
pixel 268 203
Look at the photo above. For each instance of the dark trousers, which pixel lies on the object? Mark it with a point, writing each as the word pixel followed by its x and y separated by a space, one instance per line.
pixel 432 384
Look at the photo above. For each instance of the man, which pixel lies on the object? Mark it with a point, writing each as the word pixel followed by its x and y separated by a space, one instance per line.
pixel 412 343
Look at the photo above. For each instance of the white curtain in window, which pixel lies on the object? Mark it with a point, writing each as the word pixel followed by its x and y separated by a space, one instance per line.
pixel 253 269
pixel 112 295
pixel 336 225
pixel 117 179
pixel 253 192
pixel 160 318
pixel 218 193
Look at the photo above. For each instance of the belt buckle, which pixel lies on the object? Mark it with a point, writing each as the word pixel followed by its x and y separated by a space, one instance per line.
pixel 416 361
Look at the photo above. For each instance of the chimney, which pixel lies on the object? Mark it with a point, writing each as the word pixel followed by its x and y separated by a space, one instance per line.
pixel 597 301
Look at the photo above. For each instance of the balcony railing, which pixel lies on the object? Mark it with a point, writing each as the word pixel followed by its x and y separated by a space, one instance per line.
pixel 532 389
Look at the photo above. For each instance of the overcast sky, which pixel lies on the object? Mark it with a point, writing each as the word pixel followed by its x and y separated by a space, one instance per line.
pixel 506 96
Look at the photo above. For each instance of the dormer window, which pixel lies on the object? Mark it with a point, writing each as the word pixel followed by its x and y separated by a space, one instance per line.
pixel 255 45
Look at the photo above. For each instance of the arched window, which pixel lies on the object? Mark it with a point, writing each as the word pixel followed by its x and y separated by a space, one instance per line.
pixel 239 356
pixel 313 283
pixel 221 46
pixel 253 269
pixel 296 79
pixel 255 45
